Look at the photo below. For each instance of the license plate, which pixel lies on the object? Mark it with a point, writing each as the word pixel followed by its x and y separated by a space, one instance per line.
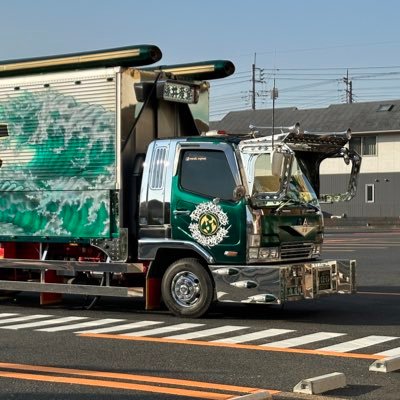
pixel 324 279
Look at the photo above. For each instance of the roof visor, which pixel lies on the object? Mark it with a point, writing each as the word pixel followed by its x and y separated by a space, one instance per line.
pixel 129 56
pixel 312 148
pixel 316 141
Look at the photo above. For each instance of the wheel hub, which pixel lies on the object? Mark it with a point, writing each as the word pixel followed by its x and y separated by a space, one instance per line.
pixel 185 288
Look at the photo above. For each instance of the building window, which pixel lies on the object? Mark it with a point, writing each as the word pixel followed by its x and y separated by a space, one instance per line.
pixel 364 145
pixel 369 146
pixel 355 144
pixel 385 107
pixel 370 193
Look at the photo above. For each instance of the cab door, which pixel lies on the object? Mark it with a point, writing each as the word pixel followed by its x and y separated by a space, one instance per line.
pixel 202 206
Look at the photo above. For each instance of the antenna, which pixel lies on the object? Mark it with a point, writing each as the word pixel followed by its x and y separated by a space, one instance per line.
pixel 274 95
pixel 253 97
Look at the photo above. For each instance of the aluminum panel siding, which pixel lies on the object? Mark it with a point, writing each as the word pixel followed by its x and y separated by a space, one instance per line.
pixel 386 191
pixel 57 154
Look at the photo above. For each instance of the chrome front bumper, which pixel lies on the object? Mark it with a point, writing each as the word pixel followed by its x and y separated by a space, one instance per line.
pixel 276 284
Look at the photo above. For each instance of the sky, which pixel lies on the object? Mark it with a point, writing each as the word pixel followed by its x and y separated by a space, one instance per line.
pixel 308 47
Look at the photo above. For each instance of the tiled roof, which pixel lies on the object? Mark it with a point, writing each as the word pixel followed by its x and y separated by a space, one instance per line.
pixel 377 116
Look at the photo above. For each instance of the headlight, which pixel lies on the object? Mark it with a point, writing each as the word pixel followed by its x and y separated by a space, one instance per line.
pixel 253 253
pixel 254 240
pixel 269 252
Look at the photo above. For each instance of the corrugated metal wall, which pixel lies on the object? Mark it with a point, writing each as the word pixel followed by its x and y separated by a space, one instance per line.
pixel 386 188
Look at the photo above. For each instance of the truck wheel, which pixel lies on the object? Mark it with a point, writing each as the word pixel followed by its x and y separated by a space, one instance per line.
pixel 187 288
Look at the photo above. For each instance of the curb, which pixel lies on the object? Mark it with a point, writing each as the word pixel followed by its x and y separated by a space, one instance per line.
pixel 301 396
pixel 265 395
pixel 259 395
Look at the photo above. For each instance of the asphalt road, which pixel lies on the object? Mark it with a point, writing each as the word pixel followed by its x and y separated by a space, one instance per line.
pixel 234 350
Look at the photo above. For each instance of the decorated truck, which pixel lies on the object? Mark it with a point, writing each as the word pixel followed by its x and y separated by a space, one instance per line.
pixel 111 184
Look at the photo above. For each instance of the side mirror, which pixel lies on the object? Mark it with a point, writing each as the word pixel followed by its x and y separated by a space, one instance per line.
pixel 239 192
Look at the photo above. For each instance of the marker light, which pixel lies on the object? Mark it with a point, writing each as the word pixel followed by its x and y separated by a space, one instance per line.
pixel 178 92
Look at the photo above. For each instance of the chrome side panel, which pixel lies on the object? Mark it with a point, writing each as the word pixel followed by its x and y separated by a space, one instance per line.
pixel 148 248
pixel 276 284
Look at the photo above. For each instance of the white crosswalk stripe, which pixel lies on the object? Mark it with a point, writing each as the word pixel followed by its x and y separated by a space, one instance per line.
pixel 165 329
pixel 97 322
pixel 305 339
pixel 56 321
pixel 24 318
pixel 254 336
pixel 124 327
pixel 358 343
pixel 6 314
pixel 390 353
pixel 207 332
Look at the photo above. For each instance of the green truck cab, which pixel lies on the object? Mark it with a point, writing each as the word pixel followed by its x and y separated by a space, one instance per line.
pixel 244 216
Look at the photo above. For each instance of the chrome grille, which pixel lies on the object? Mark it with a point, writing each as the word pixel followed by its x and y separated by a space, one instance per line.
pixel 296 250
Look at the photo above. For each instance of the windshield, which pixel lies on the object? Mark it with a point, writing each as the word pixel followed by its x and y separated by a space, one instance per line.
pixel 300 188
pixel 265 176
pixel 264 179
pixel 260 176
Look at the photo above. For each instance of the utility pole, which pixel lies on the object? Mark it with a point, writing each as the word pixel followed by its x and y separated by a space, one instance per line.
pixel 349 88
pixel 254 80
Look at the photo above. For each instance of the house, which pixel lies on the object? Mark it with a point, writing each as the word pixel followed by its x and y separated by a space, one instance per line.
pixel 375 130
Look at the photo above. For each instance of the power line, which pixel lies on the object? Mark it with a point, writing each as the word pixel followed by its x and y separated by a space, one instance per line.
pixel 304 87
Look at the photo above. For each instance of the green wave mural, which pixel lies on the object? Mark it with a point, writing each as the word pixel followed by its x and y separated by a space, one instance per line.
pixel 57 166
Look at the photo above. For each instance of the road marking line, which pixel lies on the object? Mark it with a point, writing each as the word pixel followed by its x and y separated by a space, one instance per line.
pixel 179 391
pixel 25 318
pixel 380 293
pixel 355 246
pixel 124 376
pixel 207 332
pixel 358 343
pixel 3 315
pixel 300 340
pixel 233 346
pixel 116 385
pixel 80 325
pixel 254 336
pixel 43 323
pixel 165 329
pixel 354 243
pixel 338 249
pixel 390 353
pixel 124 327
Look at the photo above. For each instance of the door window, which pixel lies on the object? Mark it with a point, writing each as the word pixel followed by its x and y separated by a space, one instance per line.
pixel 207 173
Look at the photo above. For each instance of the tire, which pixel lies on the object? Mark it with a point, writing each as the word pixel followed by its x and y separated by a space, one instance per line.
pixel 187 288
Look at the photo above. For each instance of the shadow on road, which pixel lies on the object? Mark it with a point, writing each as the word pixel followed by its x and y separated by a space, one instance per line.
pixel 371 306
